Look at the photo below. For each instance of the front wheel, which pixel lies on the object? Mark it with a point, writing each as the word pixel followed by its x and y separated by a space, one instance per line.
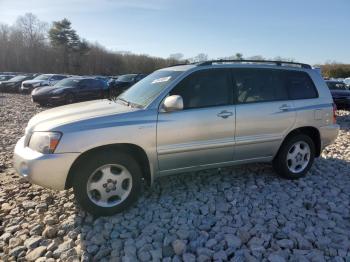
pixel 69 99
pixel 295 157
pixel 107 183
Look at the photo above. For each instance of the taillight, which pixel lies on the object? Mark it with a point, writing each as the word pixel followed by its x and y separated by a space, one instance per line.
pixel 334 113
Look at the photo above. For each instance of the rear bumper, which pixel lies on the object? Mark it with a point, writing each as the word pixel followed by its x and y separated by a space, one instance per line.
pixel 328 134
pixel 47 170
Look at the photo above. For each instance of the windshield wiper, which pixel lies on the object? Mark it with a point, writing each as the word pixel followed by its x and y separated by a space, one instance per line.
pixel 124 101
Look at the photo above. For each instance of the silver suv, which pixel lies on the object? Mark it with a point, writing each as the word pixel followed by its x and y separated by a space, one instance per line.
pixel 179 119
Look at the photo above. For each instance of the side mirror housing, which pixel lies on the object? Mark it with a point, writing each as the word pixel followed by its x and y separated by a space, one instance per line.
pixel 173 103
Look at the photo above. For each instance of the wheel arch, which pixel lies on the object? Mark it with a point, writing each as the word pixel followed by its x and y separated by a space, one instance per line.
pixel 132 149
pixel 310 131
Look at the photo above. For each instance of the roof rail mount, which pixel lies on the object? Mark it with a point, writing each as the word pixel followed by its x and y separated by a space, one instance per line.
pixel 278 63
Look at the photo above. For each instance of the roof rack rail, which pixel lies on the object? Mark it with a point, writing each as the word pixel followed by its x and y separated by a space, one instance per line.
pixel 278 63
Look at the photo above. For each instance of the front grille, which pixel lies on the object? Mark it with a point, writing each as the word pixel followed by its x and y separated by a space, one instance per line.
pixel 27 85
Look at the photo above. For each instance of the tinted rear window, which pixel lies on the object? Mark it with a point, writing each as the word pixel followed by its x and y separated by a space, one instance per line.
pixel 300 85
pixel 259 85
pixel 264 85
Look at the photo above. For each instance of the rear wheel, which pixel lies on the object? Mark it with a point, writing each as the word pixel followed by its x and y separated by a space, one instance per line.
pixel 295 157
pixel 107 183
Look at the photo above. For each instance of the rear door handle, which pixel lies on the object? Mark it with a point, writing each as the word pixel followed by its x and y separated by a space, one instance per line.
pixel 224 114
pixel 285 108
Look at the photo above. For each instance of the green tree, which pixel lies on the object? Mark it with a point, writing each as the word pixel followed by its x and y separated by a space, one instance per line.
pixel 66 40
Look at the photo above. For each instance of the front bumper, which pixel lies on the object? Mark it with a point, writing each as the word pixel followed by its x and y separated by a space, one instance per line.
pixel 57 99
pixel 328 134
pixel 47 170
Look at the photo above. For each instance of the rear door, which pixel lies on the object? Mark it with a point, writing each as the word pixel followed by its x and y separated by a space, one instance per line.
pixel 264 113
pixel 203 132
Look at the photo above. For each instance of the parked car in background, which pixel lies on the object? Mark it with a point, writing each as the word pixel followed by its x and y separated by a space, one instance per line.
pixel 123 82
pixel 71 90
pixel 180 119
pixel 340 93
pixel 347 82
pixel 14 84
pixel 41 80
pixel 5 77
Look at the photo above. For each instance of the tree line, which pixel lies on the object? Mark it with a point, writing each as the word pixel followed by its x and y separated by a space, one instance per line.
pixel 33 46
pixel 335 70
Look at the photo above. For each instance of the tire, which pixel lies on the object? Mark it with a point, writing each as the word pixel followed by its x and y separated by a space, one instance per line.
pixel 295 163
pixel 69 99
pixel 100 170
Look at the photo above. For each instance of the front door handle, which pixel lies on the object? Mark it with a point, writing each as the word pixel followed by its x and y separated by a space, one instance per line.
pixel 224 114
pixel 284 108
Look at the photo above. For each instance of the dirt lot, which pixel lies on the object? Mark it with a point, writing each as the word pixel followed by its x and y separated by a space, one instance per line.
pixel 245 213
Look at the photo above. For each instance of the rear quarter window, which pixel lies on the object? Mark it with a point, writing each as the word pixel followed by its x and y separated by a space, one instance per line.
pixel 300 85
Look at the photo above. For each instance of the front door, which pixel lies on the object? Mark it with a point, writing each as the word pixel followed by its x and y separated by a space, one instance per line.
pixel 203 132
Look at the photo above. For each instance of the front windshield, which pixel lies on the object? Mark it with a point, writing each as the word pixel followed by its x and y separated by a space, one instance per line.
pixel 126 78
pixel 147 89
pixel 42 77
pixel 18 78
pixel 67 82
pixel 336 86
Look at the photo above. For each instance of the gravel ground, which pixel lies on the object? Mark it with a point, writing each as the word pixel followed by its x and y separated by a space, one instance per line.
pixel 243 213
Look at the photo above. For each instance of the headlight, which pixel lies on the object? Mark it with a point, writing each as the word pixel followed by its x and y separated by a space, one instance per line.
pixel 44 142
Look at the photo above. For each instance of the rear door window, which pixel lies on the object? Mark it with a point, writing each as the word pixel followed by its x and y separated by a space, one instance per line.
pixel 259 85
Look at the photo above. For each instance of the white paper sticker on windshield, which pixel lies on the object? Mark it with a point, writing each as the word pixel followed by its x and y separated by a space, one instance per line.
pixel 161 80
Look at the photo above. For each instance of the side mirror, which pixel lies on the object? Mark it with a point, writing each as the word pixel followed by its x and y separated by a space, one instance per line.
pixel 173 103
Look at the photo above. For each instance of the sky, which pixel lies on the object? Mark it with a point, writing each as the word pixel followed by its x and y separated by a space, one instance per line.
pixel 310 31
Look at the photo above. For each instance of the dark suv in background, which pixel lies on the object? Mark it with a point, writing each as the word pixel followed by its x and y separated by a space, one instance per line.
pixel 340 93
pixel 123 82
pixel 71 90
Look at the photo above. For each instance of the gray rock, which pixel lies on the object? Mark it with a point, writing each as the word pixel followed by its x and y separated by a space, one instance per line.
pixel 17 250
pixel 36 253
pixel 33 242
pixel 49 232
pixel 220 256
pixel 188 257
pixel 6 237
pixel 233 241
pixel 276 258
pixel 179 247
pixel 285 243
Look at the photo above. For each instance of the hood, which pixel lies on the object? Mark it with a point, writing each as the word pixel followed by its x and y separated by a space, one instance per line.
pixel 59 116
pixel 340 92
pixel 43 90
pixel 10 82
